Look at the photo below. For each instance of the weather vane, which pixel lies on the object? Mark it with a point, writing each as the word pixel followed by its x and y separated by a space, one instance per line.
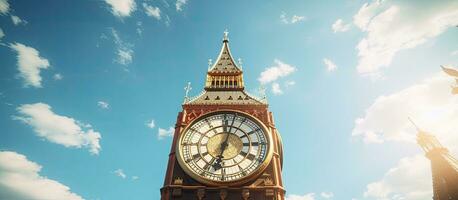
pixel 187 89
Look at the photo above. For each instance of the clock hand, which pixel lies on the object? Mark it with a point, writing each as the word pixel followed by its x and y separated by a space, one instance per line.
pixel 219 158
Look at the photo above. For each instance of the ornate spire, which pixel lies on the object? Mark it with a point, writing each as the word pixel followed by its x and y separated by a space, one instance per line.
pixel 224 74
pixel 444 166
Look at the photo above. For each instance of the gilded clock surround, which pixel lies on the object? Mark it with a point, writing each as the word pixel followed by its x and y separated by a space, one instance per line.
pixel 243 180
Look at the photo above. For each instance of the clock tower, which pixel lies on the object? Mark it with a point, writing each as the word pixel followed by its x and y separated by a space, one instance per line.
pixel 225 144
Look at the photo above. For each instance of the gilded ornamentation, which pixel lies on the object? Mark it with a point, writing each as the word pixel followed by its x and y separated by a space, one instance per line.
pixel 178 181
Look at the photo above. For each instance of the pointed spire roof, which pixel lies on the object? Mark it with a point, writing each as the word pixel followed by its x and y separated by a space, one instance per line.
pixel 225 63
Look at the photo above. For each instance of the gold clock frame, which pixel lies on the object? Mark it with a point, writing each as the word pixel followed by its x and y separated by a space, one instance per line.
pixel 243 180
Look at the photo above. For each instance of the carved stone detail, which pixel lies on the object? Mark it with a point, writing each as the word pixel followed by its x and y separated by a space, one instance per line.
pixel 223 194
pixel 245 194
pixel 200 194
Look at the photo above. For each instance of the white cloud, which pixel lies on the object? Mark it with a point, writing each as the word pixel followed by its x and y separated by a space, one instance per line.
pixel 124 50
pixel 276 89
pixel 309 196
pixel 179 4
pixel 294 19
pixel 162 133
pixel 17 21
pixel 20 179
pixel 453 53
pixel 327 195
pixel 29 64
pixel 120 173
pixel 409 179
pixel 429 103
pixel 330 66
pixel 122 8
pixel 392 26
pixel 58 129
pixel 4 7
pixel 151 124
pixel 103 104
pixel 280 69
pixel 135 178
pixel 340 26
pixel 58 76
pixel 152 11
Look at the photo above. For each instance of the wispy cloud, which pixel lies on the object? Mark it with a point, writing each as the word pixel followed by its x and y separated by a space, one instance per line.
pixel 17 21
pixel 276 89
pixel 309 196
pixel 179 4
pixel 21 178
pixel 340 26
pixel 29 64
pixel 330 66
pixel 58 76
pixel 392 26
pixel 120 173
pixel 151 124
pixel 162 133
pixel 294 19
pixel 327 195
pixel 152 11
pixel 453 53
pixel 122 8
pixel 103 104
pixel 124 49
pixel 58 129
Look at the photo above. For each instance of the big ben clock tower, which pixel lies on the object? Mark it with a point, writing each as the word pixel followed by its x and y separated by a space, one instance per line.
pixel 225 144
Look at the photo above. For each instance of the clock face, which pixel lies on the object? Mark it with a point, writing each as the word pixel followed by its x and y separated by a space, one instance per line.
pixel 224 147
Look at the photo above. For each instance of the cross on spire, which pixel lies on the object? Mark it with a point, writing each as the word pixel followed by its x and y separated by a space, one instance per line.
pixel 226 33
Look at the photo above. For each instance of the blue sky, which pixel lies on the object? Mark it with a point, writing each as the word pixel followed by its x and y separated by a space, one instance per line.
pixel 81 82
